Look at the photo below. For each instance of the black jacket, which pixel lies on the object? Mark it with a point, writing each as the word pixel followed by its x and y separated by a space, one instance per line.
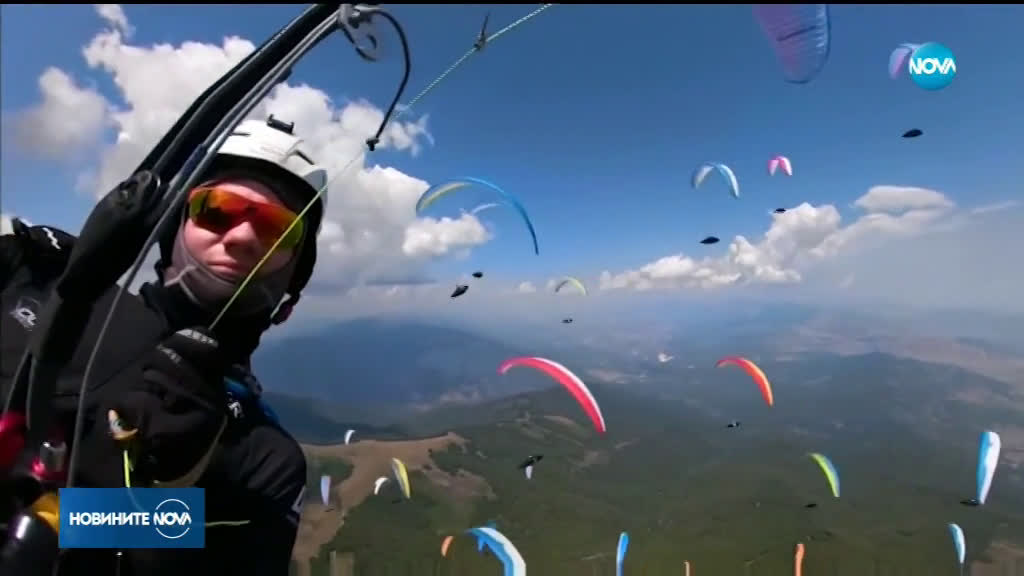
pixel 257 474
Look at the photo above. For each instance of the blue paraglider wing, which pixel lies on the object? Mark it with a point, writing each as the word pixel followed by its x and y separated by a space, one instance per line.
pixel 503 549
pixel 620 553
pixel 435 192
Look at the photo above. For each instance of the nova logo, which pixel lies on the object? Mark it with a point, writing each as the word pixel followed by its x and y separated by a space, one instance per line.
pixel 172 519
pixel 132 518
pixel 932 66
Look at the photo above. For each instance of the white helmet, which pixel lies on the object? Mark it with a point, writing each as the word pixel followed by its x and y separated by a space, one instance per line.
pixel 272 142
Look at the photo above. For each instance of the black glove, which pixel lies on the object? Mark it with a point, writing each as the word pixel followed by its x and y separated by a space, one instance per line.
pixel 45 249
pixel 173 418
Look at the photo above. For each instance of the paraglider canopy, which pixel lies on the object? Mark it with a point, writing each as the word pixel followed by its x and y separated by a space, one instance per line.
pixel 780 210
pixel 912 133
pixel 898 58
pixel 566 320
pixel 733 424
pixel 478 274
pixel 710 240
pixel 567 379
pixel 780 162
pixel 700 174
pixel 460 289
pixel 800 34
pixel 531 460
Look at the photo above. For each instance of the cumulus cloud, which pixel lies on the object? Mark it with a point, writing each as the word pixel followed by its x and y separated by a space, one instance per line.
pixel 115 16
pixel 371 231
pixel 437 237
pixel 796 239
pixel 68 119
pixel 526 288
pixel 902 198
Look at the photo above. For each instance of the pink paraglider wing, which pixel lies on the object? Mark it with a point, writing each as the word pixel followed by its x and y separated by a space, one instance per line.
pixel 563 376
pixel 787 166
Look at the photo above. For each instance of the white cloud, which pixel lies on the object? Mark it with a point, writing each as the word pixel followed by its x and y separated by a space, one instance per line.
pixel 432 237
pixel 901 198
pixel 370 231
pixel 68 119
pixel 526 288
pixel 115 16
pixel 797 239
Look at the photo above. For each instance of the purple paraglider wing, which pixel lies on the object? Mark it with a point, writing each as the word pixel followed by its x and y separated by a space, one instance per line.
pixel 898 58
pixel 800 35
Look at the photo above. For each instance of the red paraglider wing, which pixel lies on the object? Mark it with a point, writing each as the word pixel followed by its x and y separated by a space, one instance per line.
pixel 563 376
pixel 754 372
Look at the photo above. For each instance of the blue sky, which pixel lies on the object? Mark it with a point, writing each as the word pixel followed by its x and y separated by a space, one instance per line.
pixel 595 117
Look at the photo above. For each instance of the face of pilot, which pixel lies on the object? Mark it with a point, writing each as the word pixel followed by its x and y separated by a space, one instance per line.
pixel 233 251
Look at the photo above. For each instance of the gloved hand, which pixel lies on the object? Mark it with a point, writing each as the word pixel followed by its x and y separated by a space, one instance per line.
pixel 173 418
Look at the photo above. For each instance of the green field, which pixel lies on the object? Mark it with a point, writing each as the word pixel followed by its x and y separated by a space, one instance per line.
pixel 730 501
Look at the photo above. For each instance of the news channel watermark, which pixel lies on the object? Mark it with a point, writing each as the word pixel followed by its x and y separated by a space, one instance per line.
pixel 932 66
pixel 132 518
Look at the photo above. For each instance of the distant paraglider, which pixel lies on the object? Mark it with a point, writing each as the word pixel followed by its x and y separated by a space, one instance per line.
pixel 831 474
pixel 912 133
pixel 710 240
pixel 780 210
pixel 503 549
pixel 434 193
pixel 988 459
pixel 527 465
pixel 401 476
pixel 704 169
pixel 571 281
pixel 460 289
pixel 445 544
pixel 898 58
pixel 378 483
pixel 566 320
pixel 959 544
pixel 566 378
pixel 325 490
pixel 620 553
pixel 754 372
pixel 478 274
pixel 348 436
pixel 733 424
pixel 800 35
pixel 780 162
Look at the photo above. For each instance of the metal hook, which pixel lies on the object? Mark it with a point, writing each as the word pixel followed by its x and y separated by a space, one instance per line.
pixel 360 16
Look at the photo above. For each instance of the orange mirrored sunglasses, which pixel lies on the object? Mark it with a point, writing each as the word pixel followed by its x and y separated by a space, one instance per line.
pixel 220 210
